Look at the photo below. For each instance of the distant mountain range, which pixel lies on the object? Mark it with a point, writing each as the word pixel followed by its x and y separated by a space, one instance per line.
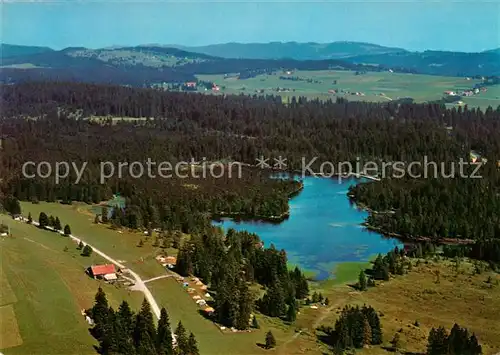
pixel 147 64
pixel 292 50
pixel 12 50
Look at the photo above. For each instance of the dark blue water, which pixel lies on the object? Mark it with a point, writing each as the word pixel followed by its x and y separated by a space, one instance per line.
pixel 323 229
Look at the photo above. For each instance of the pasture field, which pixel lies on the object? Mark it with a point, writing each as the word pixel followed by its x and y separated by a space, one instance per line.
pixel 44 288
pixel 376 86
pixel 211 340
pixel 461 297
pixel 121 245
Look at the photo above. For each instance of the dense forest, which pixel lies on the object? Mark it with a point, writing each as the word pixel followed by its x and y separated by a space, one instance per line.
pixel 180 126
pixel 230 263
pixel 122 331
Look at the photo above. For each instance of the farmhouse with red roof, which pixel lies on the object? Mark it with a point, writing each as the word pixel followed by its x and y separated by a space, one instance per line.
pixel 107 272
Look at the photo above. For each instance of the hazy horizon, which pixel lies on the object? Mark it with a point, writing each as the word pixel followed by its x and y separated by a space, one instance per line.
pixel 414 25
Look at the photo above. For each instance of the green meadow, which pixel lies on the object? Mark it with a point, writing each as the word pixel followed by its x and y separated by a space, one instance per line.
pixel 376 86
pixel 43 290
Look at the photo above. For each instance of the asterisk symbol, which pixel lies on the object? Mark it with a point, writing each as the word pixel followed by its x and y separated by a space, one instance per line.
pixel 280 163
pixel 262 162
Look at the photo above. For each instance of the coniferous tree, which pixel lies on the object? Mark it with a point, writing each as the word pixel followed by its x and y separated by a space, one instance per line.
pixel 30 219
pixel 100 316
pixel 164 335
pixel 270 340
pixel 87 250
pixel 473 345
pixel 80 245
pixel 181 338
pixel 374 320
pixel 104 215
pixel 67 230
pixel 192 345
pixel 291 314
pixel 57 224
pixel 52 221
pixel 437 342
pixel 362 281
pixel 144 334
pixel 255 323
pixel 43 220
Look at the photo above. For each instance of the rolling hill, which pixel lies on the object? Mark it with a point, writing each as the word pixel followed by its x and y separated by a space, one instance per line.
pixel 292 50
pixel 149 65
pixel 438 62
pixel 12 50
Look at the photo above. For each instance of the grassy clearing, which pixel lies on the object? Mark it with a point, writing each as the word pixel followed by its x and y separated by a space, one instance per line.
pixel 48 288
pixel 392 85
pixel 211 339
pixel 462 297
pixel 167 291
pixel 122 245
pixel 9 328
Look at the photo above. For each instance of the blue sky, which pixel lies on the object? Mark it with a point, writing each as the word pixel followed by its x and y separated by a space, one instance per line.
pixel 470 25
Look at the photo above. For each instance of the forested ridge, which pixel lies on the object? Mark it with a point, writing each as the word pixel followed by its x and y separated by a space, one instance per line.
pixel 181 126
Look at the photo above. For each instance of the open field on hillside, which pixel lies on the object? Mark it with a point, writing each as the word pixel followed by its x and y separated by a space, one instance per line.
pixel 375 86
pixel 121 245
pixel 43 291
pixel 463 297
pixel 211 339
pixel 167 291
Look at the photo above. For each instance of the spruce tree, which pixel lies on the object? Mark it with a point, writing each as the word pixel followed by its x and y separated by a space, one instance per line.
pixel 437 342
pixel 164 335
pixel 30 219
pixel 57 224
pixel 104 215
pixel 474 347
pixel 51 221
pixel 192 345
pixel 67 230
pixel 43 220
pixel 87 250
pixel 362 281
pixel 181 338
pixel 291 314
pixel 144 333
pixel 245 306
pixel 100 316
pixel 270 340
pixel 255 323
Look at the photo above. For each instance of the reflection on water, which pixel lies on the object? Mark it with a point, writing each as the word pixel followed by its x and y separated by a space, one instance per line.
pixel 323 228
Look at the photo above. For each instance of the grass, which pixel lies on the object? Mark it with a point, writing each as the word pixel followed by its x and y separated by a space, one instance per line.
pixel 461 297
pixel 211 339
pixel 168 292
pixel 121 246
pixel 392 85
pixel 47 288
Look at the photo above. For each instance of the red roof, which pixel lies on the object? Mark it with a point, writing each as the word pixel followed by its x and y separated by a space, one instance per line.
pixel 103 269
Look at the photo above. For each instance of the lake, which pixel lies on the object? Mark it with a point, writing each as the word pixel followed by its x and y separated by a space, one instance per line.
pixel 323 229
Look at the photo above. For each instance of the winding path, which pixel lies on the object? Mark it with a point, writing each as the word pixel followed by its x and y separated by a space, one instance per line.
pixel 139 283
